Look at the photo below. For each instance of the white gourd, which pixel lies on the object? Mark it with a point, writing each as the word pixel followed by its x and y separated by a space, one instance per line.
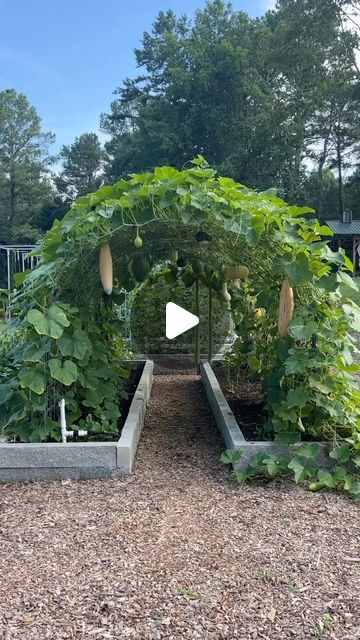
pixel 286 308
pixel 106 269
pixel 225 294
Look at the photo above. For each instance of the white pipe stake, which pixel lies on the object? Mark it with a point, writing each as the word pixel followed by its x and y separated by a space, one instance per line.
pixel 64 432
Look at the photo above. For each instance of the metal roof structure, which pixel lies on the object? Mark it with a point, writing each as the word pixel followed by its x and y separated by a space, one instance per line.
pixel 340 228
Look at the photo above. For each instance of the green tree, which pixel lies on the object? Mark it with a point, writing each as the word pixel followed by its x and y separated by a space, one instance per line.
pixel 83 165
pixel 320 191
pixel 24 162
pixel 205 90
pixel 312 48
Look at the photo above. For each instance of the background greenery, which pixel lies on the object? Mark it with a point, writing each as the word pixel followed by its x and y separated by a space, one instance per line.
pixel 148 318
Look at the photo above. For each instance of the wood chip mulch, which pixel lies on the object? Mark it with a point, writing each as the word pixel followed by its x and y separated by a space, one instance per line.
pixel 177 550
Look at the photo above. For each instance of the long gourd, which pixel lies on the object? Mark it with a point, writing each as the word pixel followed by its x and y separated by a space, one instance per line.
pixel 286 308
pixel 106 269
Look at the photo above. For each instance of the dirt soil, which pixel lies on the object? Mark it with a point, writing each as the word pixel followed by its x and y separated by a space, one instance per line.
pixel 130 389
pixel 245 400
pixel 178 550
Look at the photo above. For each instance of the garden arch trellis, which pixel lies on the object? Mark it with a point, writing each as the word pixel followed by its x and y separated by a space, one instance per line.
pixel 64 312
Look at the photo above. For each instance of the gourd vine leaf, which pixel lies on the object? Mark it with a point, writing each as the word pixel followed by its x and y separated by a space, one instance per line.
pixel 298 397
pixel 12 410
pixel 230 456
pixel 241 476
pixel 298 270
pixel 302 331
pixel 50 324
pixel 76 345
pixel 342 453
pixel 301 471
pixel 36 350
pixel 306 449
pixel 275 465
pixel 65 372
pixel 6 391
pixel 33 378
pixel 327 478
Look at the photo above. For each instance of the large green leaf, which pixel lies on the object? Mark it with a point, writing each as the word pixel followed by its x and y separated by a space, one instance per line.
pixel 299 469
pixel 301 330
pixel 51 323
pixel 298 270
pixel 229 456
pixel 298 397
pixel 342 453
pixel 65 372
pixel 36 350
pixel 33 377
pixel 76 345
pixel 240 225
pixel 6 391
pixel 93 397
pixel 306 449
pixel 14 409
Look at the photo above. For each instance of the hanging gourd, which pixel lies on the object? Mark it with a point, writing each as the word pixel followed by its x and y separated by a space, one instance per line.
pixel 106 269
pixel 202 237
pixel 225 295
pixel 259 313
pixel 197 267
pixel 140 268
pixel 138 241
pixel 236 274
pixel 182 262
pixel 174 254
pixel 286 308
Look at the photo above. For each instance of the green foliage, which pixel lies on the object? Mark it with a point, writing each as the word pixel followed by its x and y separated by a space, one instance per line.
pixel 148 312
pixel 230 456
pixel 51 323
pixel 23 161
pixel 83 162
pixel 70 332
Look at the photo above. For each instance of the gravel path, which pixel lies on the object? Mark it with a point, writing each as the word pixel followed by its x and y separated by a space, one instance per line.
pixel 177 550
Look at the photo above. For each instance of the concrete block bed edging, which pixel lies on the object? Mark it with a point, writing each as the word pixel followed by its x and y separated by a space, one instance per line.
pixel 231 432
pixel 80 460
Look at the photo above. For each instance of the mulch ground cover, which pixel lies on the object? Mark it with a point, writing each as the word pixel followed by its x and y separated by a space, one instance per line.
pixel 178 550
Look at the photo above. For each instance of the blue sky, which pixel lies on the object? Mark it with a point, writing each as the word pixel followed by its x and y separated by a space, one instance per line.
pixel 69 56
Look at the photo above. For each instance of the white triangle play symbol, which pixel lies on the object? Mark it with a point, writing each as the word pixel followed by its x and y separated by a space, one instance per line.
pixel 178 320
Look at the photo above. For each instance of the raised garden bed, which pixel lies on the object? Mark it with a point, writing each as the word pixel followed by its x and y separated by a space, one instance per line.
pixel 80 460
pixel 243 438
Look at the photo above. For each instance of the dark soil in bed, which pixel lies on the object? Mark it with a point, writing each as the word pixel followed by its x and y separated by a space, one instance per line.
pixel 246 402
pixel 130 390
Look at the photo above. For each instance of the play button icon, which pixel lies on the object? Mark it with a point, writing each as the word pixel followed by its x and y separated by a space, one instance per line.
pixel 178 320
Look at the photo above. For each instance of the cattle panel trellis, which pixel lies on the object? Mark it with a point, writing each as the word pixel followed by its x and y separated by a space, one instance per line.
pixel 17 261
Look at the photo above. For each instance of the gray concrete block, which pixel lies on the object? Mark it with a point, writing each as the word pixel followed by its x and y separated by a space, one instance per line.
pixel 46 474
pixel 75 454
pixel 224 417
pixel 131 432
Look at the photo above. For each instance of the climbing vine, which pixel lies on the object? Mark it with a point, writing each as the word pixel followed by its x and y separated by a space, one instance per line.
pixel 69 340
